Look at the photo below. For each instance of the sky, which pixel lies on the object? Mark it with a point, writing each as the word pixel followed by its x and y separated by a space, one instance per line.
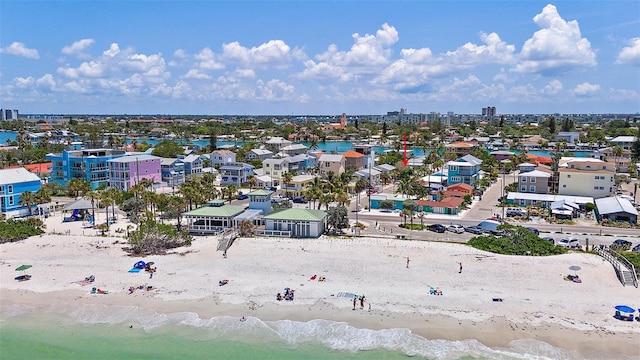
pixel 319 57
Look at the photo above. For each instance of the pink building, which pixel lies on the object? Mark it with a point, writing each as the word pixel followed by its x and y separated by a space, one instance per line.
pixel 126 171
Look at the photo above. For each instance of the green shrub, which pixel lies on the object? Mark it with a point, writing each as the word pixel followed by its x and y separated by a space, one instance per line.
pixel 15 230
pixel 517 240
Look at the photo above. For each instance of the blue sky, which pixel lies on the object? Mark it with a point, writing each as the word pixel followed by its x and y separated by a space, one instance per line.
pixel 319 57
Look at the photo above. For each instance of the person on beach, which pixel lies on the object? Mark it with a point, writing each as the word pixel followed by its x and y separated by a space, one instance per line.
pixel 460 272
pixel 355 299
pixel 362 302
pixel 408 262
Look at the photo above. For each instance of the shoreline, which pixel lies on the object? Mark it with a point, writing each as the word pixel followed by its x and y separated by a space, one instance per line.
pixel 538 303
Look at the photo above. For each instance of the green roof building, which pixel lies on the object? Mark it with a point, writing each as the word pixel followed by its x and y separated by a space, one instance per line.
pixel 297 223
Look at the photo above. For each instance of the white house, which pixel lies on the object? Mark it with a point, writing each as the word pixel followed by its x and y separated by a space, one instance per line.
pixel 296 223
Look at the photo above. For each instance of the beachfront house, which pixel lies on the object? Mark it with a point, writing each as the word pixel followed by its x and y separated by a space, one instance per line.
pixel 459 149
pixel 235 173
pixel 294 149
pixel 616 209
pixel 172 171
pixel 212 218
pixel 398 201
pixel 371 176
pixel 295 223
pixel 222 157
pixel 86 165
pixel 466 170
pixel 276 143
pixel 447 206
pixel 126 171
pixel 13 183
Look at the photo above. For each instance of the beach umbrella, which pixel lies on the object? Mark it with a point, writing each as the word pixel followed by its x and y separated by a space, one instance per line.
pixel 23 267
pixel 625 309
pixel 574 268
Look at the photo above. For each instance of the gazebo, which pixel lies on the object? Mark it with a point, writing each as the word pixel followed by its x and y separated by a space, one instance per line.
pixel 79 210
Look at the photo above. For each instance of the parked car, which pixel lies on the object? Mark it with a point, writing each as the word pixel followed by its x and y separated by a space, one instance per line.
pixel 439 228
pixel 474 230
pixel 272 188
pixel 299 200
pixel 636 249
pixel 549 239
pixel 515 212
pixel 621 245
pixel 533 230
pixel 569 243
pixel 458 229
pixel 242 197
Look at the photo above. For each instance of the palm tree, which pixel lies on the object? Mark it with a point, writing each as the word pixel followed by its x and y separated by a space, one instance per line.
pixel 27 199
pixel 106 200
pixel 286 180
pixel 325 199
pixel 342 198
pixel 252 181
pixel 617 152
pixel 114 195
pixel 93 196
pixel 74 186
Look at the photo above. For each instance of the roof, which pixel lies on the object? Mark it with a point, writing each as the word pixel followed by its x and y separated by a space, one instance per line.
pixel 169 161
pixel 80 204
pixel 15 176
pixel 261 151
pixel 502 152
pixel 133 158
pixel 219 211
pixel 470 159
pixel 331 158
pixel 461 185
pixel 537 173
pixel 549 197
pixel 385 167
pixel 624 139
pixel 294 147
pixel 297 214
pixel 615 204
pixel 352 154
pixel 251 214
pixel 367 172
pixel 260 192
pixel 222 152
pixel 461 144
pixel 302 178
pixel 191 158
pixel 450 202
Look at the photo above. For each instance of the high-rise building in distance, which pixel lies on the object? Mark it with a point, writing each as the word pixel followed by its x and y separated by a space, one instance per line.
pixel 489 111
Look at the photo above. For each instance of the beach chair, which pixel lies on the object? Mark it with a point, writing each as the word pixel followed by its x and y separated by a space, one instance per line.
pixel 630 317
pixel 617 315
pixel 432 290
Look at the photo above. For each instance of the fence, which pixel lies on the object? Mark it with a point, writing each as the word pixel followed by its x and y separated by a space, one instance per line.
pixel 621 265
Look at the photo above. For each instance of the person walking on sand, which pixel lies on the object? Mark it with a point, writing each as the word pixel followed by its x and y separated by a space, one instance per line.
pixel 408 262
pixel 355 299
pixel 460 272
pixel 362 302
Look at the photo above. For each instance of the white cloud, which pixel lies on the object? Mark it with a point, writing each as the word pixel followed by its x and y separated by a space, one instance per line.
pixel 114 50
pixel 180 54
pixel 46 82
pixel 208 60
pixel 77 47
pixel 630 54
pixel 586 89
pixel 554 87
pixel 196 74
pixel 274 53
pixel 19 49
pixel 493 51
pixel 556 47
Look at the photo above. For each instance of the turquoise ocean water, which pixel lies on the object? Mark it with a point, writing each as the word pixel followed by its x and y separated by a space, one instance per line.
pixel 100 332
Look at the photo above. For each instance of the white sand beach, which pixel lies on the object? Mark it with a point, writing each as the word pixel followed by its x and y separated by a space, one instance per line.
pixel 537 302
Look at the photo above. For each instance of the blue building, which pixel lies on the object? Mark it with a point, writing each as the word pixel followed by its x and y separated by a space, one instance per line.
pixel 172 171
pixel 192 165
pixel 235 173
pixel 464 170
pixel 14 182
pixel 86 165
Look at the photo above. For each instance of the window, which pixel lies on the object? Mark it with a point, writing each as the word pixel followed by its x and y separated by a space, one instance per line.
pixel 456 179
pixel 523 188
pixel 523 179
pixel 532 188
pixel 569 176
pixel 532 179
pixel 564 185
pixel 453 167
pixel 598 188
pixel 327 165
pixel 10 190
pixel 10 200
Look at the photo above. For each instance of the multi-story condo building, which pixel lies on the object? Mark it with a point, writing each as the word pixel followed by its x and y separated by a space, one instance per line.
pixel 235 173
pixel 192 165
pixel 586 178
pixel 222 157
pixel 459 149
pixel 276 167
pixel 258 154
pixel 86 165
pixel 126 171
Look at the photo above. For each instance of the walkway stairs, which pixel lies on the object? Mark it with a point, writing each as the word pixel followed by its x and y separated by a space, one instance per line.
pixel 226 240
pixel 625 270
